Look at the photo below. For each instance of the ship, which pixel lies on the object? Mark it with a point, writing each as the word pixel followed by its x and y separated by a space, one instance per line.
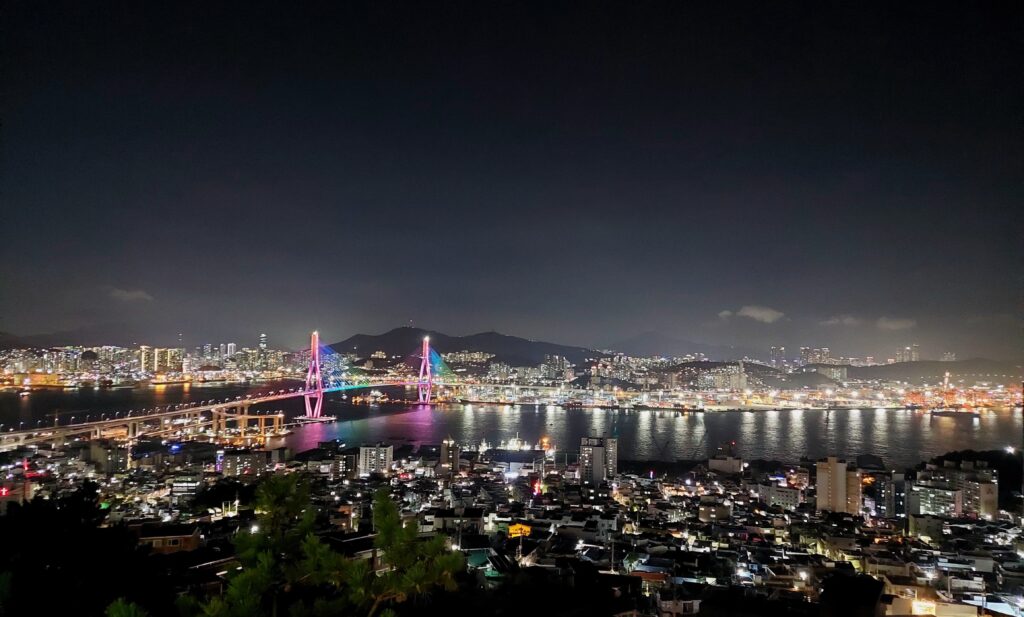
pixel 315 419
pixel 955 412
pixel 168 381
pixel 951 407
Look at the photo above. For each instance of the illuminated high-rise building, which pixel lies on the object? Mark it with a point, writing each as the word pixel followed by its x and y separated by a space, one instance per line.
pixel 175 358
pixel 159 360
pixel 263 342
pixel 910 353
pixel 838 487
pixel 599 459
pixel 375 459
pixel 817 355
pixel 232 349
pixel 147 359
pixel 449 463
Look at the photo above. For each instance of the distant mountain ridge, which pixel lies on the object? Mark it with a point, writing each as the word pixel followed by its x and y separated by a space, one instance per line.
pixel 769 376
pixel 653 343
pixel 932 371
pixel 921 372
pixel 512 350
pixel 111 333
pixel 518 351
pixel 8 340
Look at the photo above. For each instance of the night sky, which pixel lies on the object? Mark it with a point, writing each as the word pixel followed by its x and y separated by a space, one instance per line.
pixel 750 175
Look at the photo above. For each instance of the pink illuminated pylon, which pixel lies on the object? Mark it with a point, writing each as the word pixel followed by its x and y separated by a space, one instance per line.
pixel 424 384
pixel 314 379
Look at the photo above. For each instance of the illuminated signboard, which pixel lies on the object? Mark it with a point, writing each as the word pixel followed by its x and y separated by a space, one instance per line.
pixel 518 529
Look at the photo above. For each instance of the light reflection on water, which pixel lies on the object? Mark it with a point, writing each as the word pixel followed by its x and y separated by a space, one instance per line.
pixel 901 438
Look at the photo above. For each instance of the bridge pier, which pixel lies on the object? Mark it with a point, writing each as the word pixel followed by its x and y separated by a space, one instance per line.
pixel 9 442
pixel 191 422
pixel 219 423
pixel 194 422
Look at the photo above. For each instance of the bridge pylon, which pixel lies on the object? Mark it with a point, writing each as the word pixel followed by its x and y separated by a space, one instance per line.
pixel 425 376
pixel 314 396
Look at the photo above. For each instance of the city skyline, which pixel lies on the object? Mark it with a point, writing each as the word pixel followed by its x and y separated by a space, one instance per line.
pixel 774 355
pixel 392 309
pixel 773 180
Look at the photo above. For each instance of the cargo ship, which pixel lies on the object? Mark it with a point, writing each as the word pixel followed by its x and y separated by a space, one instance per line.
pixel 955 412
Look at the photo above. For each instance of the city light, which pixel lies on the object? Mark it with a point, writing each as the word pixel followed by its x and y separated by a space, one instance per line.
pixel 627 310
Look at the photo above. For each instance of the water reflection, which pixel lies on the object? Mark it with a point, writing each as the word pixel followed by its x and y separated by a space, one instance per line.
pixel 901 438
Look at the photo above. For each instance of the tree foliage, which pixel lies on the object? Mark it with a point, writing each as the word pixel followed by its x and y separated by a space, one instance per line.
pixel 284 517
pixel 122 608
pixel 289 570
pixel 57 543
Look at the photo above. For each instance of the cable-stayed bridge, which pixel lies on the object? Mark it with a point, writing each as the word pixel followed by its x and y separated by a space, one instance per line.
pixel 225 420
